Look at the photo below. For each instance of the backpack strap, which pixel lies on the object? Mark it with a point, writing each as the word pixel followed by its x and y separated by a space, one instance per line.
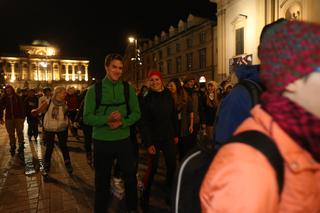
pixel 98 91
pixel 254 89
pixel 267 147
pixel 126 96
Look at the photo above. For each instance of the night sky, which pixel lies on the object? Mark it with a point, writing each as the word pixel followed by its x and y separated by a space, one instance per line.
pixel 91 29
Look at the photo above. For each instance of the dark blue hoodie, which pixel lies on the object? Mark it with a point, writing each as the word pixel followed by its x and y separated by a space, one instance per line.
pixel 236 106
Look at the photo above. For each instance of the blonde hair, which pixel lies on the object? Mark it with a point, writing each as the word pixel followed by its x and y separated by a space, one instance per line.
pixel 215 92
pixel 57 90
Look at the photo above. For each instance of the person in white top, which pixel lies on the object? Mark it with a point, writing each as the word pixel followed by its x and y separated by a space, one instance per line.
pixel 55 121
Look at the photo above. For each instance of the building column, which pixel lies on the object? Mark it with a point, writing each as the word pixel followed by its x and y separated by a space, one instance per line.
pixel 86 72
pixel 222 70
pixel 79 72
pixel 73 73
pixel 13 75
pixel 67 72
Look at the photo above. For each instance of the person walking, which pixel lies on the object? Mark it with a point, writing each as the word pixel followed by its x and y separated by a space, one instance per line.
pixel 14 119
pixel 111 133
pixel 55 122
pixel 31 102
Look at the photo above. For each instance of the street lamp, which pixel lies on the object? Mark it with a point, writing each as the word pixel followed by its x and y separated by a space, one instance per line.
pixel 134 41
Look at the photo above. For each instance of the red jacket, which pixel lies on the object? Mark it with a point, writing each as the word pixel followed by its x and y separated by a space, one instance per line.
pixel 72 102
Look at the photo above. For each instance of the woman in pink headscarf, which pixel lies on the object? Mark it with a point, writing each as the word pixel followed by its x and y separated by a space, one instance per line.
pixel 240 178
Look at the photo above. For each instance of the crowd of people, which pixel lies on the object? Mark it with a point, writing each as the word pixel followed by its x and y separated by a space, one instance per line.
pixel 169 116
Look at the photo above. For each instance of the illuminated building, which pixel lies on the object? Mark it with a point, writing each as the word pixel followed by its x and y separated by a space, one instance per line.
pixel 39 65
pixel 239 24
pixel 188 48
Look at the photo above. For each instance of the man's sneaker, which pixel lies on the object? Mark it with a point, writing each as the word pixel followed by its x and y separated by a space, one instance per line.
pixel 117 188
pixel 44 172
pixel 69 167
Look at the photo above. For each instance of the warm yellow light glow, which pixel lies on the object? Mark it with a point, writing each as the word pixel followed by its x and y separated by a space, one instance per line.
pixel 131 39
pixel 50 51
pixel 43 64
pixel 202 79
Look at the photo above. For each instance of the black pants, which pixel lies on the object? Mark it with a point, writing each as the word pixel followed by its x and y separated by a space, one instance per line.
pixel 104 154
pixel 87 132
pixel 62 137
pixel 32 127
pixel 169 152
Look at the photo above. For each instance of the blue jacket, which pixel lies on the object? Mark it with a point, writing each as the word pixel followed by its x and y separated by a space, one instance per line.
pixel 235 107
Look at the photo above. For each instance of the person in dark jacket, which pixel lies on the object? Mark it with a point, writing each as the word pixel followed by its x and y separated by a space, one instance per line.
pixel 14 119
pixel 31 102
pixel 159 130
pixel 87 129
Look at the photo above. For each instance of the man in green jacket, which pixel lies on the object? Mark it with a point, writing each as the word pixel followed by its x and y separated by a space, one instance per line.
pixel 111 130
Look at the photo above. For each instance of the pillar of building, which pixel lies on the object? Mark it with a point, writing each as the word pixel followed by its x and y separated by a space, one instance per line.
pixel 221 35
pixel 79 72
pixel 67 72
pixel 13 75
pixel 73 73
pixel 86 72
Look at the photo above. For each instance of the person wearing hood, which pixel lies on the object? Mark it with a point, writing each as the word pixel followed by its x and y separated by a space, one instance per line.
pixel 14 119
pixel 235 107
pixel 159 130
pixel 241 178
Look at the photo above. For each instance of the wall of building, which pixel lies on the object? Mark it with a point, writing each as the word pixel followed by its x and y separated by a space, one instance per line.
pixel 253 15
pixel 162 50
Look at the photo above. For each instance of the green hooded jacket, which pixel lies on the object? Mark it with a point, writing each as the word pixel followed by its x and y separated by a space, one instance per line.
pixel 113 99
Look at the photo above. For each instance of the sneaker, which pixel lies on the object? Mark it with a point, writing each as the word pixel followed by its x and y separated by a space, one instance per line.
pixel 117 188
pixel 45 169
pixel 69 167
pixel 44 172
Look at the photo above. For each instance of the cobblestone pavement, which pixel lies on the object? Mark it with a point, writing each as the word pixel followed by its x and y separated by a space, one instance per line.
pixel 23 189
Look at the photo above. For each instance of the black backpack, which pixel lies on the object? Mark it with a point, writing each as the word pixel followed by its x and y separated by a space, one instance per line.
pixel 195 165
pixel 255 89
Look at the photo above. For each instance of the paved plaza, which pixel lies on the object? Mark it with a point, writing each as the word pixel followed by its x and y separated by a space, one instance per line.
pixel 23 188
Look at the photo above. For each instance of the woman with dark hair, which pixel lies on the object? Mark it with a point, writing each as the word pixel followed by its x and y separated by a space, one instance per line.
pixel 185 113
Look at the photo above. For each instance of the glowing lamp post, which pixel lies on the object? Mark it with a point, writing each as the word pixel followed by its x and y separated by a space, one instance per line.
pixel 134 41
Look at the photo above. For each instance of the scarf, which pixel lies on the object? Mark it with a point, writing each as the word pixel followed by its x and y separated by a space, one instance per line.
pixel 55 109
pixel 301 125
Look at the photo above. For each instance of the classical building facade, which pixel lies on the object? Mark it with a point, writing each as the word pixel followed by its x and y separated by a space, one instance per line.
pixel 186 49
pixel 239 24
pixel 39 65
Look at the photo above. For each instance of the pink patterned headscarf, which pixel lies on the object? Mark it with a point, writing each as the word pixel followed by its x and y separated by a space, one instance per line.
pixel 288 52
